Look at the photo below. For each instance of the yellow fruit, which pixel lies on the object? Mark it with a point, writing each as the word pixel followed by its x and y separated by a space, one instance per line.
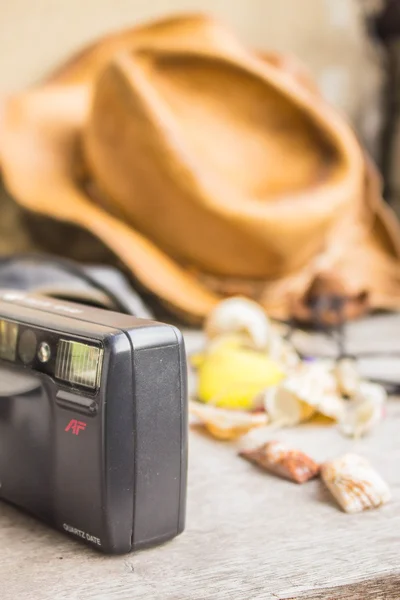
pixel 231 376
pixel 219 344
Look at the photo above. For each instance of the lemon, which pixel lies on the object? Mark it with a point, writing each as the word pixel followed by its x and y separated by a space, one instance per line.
pixel 231 376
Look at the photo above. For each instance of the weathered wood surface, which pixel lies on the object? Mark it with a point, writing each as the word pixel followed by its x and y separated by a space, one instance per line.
pixel 249 536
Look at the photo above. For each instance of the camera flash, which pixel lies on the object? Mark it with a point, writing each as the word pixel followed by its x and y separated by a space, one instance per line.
pixel 79 363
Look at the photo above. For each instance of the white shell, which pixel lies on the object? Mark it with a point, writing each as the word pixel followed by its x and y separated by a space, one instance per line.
pixel 285 407
pixel 240 315
pixel 310 388
pixel 332 406
pixel 365 411
pixel 347 376
pixel 354 483
pixel 226 423
pixel 373 392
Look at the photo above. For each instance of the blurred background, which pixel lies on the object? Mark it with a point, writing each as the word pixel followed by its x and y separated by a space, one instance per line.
pixel 350 47
pixel 329 36
pixel 334 38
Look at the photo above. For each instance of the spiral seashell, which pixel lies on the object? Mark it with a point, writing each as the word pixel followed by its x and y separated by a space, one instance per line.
pixel 240 315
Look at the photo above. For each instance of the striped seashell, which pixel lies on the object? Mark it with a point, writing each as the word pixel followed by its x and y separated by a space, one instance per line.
pixel 354 483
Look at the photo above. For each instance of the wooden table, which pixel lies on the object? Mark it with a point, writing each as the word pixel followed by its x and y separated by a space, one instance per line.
pixel 249 536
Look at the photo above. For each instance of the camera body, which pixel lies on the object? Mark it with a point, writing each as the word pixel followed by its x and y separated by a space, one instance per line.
pixel 93 421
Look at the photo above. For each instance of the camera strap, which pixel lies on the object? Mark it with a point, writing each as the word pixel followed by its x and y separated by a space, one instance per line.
pixel 100 286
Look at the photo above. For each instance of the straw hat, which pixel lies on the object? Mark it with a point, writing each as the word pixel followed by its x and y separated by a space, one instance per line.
pixel 208 169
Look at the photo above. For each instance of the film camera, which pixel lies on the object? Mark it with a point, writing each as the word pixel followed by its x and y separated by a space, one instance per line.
pixel 93 421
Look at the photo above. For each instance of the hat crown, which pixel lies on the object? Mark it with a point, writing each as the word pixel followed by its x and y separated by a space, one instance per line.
pixel 208 170
pixel 204 147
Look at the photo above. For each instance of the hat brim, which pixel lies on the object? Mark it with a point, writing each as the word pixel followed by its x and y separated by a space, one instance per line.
pixel 38 152
pixel 40 135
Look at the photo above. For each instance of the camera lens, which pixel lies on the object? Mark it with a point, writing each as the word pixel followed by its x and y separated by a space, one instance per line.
pixel 27 346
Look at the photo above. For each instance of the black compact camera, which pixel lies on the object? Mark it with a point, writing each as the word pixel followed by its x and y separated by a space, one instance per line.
pixel 93 421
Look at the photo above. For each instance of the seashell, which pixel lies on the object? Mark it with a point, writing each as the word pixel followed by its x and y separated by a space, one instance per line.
pixel 231 376
pixel 240 315
pixel 226 424
pixel 373 392
pixel 281 460
pixel 285 407
pixel 365 411
pixel 309 389
pixel 354 483
pixel 347 376
pixel 332 406
pixel 283 351
pixel 360 419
